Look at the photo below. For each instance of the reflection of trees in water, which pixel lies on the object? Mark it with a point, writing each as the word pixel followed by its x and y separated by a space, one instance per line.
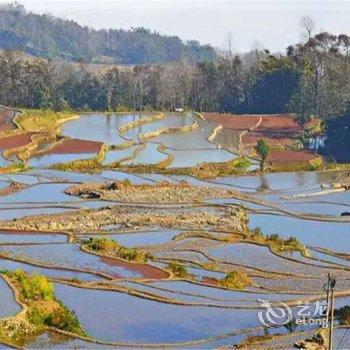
pixel 228 139
pixel 302 178
pixel 108 121
pixel 264 184
pixel 337 144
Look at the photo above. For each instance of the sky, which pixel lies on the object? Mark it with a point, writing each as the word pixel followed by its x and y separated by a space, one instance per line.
pixel 271 24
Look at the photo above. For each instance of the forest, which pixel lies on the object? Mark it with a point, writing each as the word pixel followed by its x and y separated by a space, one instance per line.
pixel 51 37
pixel 311 79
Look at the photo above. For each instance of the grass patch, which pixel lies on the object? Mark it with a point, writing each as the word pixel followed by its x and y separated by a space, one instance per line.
pixel 14 168
pixel 253 339
pixel 88 165
pixel 111 247
pixel 43 120
pixel 277 243
pixel 235 280
pixel 237 166
pixel 34 287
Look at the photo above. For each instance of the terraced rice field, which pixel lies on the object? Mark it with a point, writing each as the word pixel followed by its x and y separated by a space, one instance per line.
pixel 207 226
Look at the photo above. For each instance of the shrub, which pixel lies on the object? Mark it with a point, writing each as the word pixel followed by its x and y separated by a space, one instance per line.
pixel 110 246
pixel 235 280
pixel 62 318
pixel 102 244
pixel 316 164
pixel 242 216
pixel 257 232
pixel 240 164
pixel 178 269
pixel 34 287
pixel 343 314
pixel 36 316
pixel 132 254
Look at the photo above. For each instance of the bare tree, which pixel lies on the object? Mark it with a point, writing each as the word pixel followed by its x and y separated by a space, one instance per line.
pixel 229 45
pixel 307 26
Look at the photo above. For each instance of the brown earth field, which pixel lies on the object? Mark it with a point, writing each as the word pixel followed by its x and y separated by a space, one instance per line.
pixel 74 146
pixel 264 123
pixel 251 139
pixel 147 271
pixel 290 156
pixel 15 141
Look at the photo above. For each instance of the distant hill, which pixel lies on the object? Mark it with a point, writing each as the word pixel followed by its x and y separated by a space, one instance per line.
pixel 51 37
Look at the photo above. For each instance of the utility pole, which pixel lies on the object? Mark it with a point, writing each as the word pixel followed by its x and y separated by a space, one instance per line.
pixel 332 282
pixel 329 288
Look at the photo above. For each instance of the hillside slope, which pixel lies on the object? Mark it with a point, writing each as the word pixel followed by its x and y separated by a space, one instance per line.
pixel 51 37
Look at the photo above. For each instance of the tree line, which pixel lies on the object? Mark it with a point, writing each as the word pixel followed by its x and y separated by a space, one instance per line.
pixel 310 79
pixel 51 37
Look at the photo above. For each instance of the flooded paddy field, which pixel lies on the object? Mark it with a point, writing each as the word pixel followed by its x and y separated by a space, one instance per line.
pixel 169 122
pixel 159 259
pixel 99 128
pixel 45 161
pixel 69 256
pixel 184 137
pixel 8 305
pixel 156 322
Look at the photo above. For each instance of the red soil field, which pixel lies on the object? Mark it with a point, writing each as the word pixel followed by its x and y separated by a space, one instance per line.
pixel 15 141
pixel 231 121
pixel 290 156
pixel 75 146
pixel 276 129
pixel 274 123
pixel 252 138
